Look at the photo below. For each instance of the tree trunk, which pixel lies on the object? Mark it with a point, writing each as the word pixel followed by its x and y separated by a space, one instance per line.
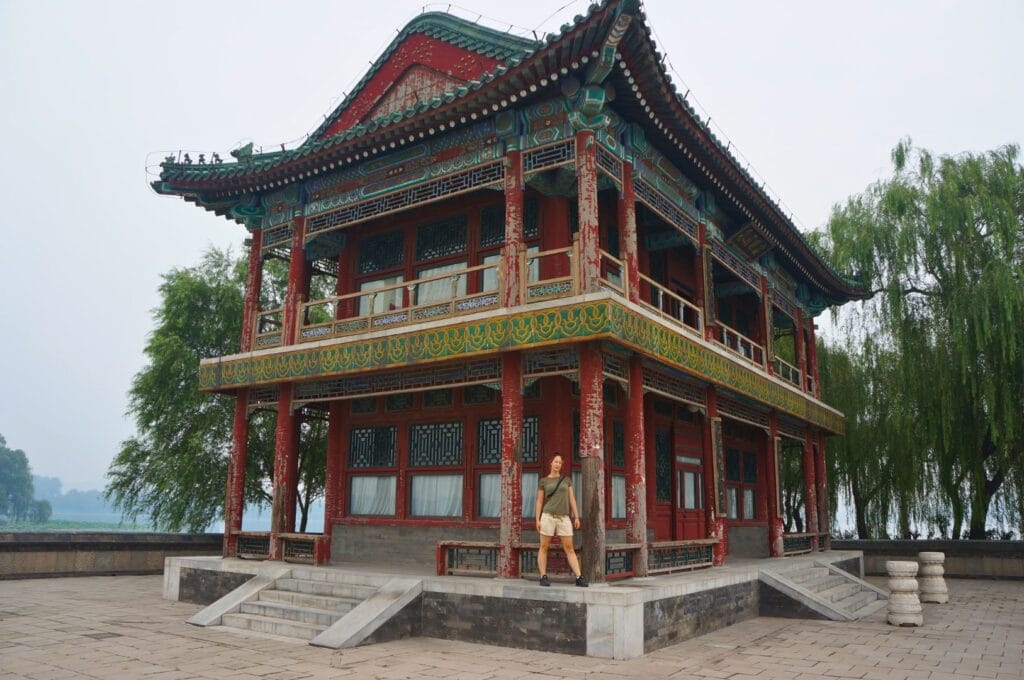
pixel 904 517
pixel 984 490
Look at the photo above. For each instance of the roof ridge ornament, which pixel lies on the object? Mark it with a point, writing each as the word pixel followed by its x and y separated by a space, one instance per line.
pixel 587 100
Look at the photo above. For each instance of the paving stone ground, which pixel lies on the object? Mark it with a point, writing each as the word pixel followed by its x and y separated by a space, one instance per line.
pixel 120 627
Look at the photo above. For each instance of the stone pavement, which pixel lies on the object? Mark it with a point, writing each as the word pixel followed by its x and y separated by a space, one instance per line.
pixel 120 627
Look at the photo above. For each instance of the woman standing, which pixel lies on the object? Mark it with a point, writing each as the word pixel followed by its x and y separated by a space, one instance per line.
pixel 556 504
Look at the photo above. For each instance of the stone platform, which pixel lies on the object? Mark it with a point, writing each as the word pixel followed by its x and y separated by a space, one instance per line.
pixel 621 621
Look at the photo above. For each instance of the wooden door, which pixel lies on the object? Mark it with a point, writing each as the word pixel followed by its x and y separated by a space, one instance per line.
pixel 661 518
pixel 688 478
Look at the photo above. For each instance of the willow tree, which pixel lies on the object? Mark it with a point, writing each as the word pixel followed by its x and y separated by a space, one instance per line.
pixel 941 246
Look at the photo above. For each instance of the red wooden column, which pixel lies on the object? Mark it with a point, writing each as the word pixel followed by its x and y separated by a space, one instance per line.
pixel 627 233
pixel 510 259
pixel 812 356
pixel 590 239
pixel 766 325
pixel 705 283
pixel 284 453
pixel 821 482
pixel 234 502
pixel 636 465
pixel 775 548
pixel 332 475
pixel 714 478
pixel 801 353
pixel 591 497
pixel 810 492
pixel 510 533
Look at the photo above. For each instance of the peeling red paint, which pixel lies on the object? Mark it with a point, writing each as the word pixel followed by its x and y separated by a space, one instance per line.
pixel 636 463
pixel 284 452
pixel 511 527
pixel 513 226
pixel 234 504
pixel 332 476
pixel 586 173
pixel 810 491
pixel 821 482
pixel 627 233
pixel 253 283
pixel 592 511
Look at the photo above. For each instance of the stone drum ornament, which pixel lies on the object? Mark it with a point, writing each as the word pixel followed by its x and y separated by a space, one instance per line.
pixel 933 586
pixel 904 607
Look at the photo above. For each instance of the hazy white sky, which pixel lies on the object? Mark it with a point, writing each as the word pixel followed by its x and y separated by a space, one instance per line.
pixel 813 94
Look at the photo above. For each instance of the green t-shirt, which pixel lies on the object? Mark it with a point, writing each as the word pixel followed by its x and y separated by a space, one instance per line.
pixel 557 504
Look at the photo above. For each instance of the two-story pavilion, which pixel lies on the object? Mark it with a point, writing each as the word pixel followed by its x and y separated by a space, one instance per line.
pixel 538 247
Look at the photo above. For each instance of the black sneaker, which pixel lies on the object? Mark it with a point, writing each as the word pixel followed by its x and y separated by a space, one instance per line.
pixel 544 580
pixel 582 582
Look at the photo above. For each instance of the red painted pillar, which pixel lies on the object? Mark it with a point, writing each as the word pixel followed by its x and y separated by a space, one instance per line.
pixel 714 479
pixel 821 482
pixel 627 234
pixel 810 492
pixel 511 527
pixel 332 475
pixel 253 283
pixel 706 294
pixel 775 548
pixel 801 354
pixel 586 182
pixel 513 228
pixel 297 282
pixel 591 460
pixel 636 465
pixel 766 326
pixel 234 503
pixel 284 452
pixel 812 355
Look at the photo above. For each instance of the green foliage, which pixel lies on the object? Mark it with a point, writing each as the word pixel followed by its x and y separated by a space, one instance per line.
pixel 40 511
pixel 174 470
pixel 940 345
pixel 15 483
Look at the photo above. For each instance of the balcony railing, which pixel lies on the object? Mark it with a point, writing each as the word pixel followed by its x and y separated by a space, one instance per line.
pixel 668 305
pixel 416 301
pixel 741 345
pixel 786 371
pixel 545 275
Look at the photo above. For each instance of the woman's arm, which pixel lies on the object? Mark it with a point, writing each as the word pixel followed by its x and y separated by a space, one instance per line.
pixel 538 506
pixel 572 508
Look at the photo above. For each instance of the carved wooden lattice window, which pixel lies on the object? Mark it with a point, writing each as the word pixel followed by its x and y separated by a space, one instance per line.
pixel 399 402
pixel 371 447
pixel 363 405
pixel 477 394
pixel 531 218
pixel 488 442
pixel 441 238
pixel 381 252
pixel 618 443
pixel 492 223
pixel 663 464
pixel 435 445
pixel 434 398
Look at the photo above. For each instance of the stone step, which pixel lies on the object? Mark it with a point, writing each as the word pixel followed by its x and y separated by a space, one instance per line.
pixel 869 609
pixel 331 588
pixel 281 610
pixel 263 624
pixel 328 602
pixel 806 574
pixel 856 601
pixel 839 592
pixel 824 582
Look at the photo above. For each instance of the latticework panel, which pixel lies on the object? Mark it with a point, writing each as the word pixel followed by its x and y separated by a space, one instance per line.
pixel 736 265
pixel 483 175
pixel 488 441
pixel 674 387
pixel 663 464
pixel 253 545
pixel 738 410
pixel 275 237
pixel 618 443
pixel 669 211
pixel 550 362
pixel 674 556
pixel 262 398
pixel 780 300
pixel 435 444
pixel 381 252
pixel 468 373
pixel 616 367
pixel 372 447
pixel 550 156
pixel 792 429
pixel 478 394
pixel 441 238
pixel 471 559
pixel 609 164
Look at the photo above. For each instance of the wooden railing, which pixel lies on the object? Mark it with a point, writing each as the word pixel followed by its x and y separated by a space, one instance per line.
pixel 556 273
pixel 670 306
pixel 786 371
pixel 612 274
pixel 741 345
pixel 253 545
pixel 305 548
pixel 404 304
pixel 480 558
pixel 668 556
pixel 268 327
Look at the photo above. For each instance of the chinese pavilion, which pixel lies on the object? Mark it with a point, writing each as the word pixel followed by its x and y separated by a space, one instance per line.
pixel 534 247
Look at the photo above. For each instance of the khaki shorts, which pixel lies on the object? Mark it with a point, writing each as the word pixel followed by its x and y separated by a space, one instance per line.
pixel 555 525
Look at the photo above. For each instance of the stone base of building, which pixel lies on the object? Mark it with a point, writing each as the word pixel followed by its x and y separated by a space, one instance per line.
pixel 621 621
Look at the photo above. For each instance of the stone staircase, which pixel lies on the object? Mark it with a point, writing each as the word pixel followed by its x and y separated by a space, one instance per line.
pixel 828 591
pixel 302 605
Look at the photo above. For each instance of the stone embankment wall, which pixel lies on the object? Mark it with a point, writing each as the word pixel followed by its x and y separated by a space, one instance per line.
pixel 964 559
pixel 38 555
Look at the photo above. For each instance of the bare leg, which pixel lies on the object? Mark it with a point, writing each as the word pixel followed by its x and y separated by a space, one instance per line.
pixel 542 554
pixel 570 555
